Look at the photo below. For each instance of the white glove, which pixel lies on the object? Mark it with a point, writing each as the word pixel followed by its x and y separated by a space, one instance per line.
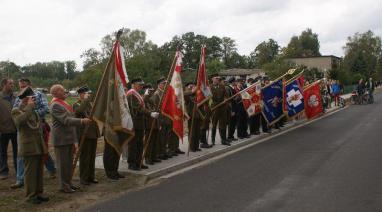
pixel 154 114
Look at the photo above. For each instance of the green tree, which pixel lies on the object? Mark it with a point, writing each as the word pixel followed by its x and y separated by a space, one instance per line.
pixel 305 45
pixel 363 55
pixel 264 53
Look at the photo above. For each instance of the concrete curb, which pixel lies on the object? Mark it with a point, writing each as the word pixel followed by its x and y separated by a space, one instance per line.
pixel 244 144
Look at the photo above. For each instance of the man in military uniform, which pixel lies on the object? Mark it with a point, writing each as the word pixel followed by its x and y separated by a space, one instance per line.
pixel 138 112
pixel 151 155
pixel 194 121
pixel 31 145
pixel 232 112
pixel 219 114
pixel 82 109
pixel 241 114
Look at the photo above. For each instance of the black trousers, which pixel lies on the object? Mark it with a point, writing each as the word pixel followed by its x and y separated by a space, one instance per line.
pixel 135 148
pixel 110 160
pixel 242 123
pixel 4 141
pixel 232 125
pixel 254 123
pixel 87 159
pixel 264 124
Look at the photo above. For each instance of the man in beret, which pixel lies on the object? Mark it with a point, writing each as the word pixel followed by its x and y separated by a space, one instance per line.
pixel 138 112
pixel 219 94
pixel 31 145
pixel 82 109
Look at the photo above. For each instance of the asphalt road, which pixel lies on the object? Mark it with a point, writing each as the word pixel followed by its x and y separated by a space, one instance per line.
pixel 334 164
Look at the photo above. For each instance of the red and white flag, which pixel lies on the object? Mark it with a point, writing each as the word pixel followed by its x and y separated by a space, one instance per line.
pixel 313 100
pixel 252 99
pixel 203 91
pixel 173 100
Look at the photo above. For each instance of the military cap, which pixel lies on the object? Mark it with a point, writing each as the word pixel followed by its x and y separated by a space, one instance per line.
pixel 83 89
pixel 250 80
pixel 137 80
pixel 190 83
pixel 214 75
pixel 25 92
pixel 222 78
pixel 148 86
pixel 160 80
pixel 265 78
pixel 258 78
pixel 231 80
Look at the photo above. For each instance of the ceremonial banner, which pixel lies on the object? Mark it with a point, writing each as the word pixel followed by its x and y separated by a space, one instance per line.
pixel 293 96
pixel 252 99
pixel 173 100
pixel 203 92
pixel 111 110
pixel 313 101
pixel 272 96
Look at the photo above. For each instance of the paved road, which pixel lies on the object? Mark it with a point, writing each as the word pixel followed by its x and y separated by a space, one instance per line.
pixel 334 164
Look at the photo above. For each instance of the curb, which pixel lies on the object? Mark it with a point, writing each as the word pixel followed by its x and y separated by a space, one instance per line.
pixel 244 144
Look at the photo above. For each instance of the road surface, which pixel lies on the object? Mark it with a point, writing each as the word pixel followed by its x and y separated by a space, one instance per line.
pixel 333 164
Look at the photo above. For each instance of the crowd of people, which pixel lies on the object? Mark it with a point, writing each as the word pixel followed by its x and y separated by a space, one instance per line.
pixel 23 123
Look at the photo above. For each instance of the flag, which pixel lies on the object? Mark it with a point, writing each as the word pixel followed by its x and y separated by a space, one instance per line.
pixel 313 101
pixel 203 92
pixel 293 96
pixel 251 99
pixel 173 100
pixel 272 96
pixel 111 110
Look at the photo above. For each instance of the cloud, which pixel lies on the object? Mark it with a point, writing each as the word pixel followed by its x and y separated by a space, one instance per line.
pixel 45 30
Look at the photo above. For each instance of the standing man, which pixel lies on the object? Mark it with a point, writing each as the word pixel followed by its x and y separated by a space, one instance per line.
pixel 233 112
pixel 138 111
pixel 42 108
pixel 31 145
pixel 64 136
pixel 242 115
pixel 370 86
pixel 219 115
pixel 82 109
pixel 194 121
pixel 153 147
pixel 7 127
pixel 264 124
pixel 254 120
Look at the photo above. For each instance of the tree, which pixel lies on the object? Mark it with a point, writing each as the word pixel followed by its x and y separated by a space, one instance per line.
pixel 264 53
pixel 363 55
pixel 92 57
pixel 229 47
pixel 305 45
pixel 70 67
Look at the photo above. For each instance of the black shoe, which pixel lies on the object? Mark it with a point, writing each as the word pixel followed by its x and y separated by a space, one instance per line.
pixel 157 161
pixel 226 143
pixel 256 133
pixel 68 190
pixel 164 157
pixel 113 178
pixel 204 145
pixel 198 150
pixel 169 155
pixel 74 187
pixel 178 151
pixel 247 136
pixel 85 183
pixel 93 181
pixel 134 168
pixel 34 201
pixel 42 198
pixel 144 167
pixel 17 185
pixel 120 175
pixel 150 162
pixel 232 138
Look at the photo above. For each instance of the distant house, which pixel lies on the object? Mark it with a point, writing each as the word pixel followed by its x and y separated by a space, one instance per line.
pixel 322 63
pixel 242 73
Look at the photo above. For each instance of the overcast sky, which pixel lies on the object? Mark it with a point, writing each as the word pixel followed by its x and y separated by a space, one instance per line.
pixel 45 30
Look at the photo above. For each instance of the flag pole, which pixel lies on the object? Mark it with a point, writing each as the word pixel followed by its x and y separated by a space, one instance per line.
pixel 82 139
pixel 194 108
pixel 147 142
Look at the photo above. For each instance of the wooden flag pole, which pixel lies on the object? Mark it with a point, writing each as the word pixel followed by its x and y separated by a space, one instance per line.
pixel 147 142
pixel 82 139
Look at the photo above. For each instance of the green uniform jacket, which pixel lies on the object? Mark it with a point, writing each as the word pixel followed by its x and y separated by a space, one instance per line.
pixel 156 98
pixel 189 99
pixel 219 93
pixel 137 112
pixel 82 109
pixel 151 107
pixel 30 137
pixel 6 122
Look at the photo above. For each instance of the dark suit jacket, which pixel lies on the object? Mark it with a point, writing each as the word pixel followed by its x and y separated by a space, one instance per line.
pixel 63 125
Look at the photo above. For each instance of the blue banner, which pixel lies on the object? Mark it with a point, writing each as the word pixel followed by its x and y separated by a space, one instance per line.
pixel 294 99
pixel 272 96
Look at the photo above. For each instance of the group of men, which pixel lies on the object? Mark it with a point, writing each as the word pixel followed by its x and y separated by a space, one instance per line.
pixel 23 123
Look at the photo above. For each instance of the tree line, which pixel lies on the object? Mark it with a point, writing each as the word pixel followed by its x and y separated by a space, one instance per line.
pixel 363 58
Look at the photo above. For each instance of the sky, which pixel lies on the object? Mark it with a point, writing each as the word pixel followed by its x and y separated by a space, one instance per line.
pixel 46 30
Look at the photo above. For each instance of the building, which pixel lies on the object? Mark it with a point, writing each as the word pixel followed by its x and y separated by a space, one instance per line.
pixel 322 63
pixel 242 73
